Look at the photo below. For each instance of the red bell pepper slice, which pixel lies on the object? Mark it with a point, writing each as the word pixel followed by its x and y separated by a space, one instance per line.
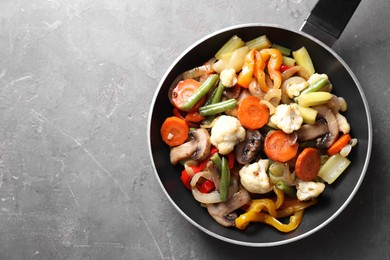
pixel 206 186
pixel 186 179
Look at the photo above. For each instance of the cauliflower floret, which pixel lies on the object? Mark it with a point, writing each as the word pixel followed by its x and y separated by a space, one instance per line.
pixel 226 133
pixel 315 77
pixel 228 77
pixel 309 190
pixel 287 117
pixel 343 123
pixel 294 89
pixel 254 177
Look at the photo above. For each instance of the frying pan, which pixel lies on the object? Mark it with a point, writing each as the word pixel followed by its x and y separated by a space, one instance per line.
pixel 326 22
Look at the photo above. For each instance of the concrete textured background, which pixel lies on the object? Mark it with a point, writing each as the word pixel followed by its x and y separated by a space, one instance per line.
pixel 76 83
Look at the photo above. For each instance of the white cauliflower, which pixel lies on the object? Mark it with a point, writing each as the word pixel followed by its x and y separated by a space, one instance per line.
pixel 315 77
pixel 228 77
pixel 343 123
pixel 309 190
pixel 226 132
pixel 254 177
pixel 287 117
pixel 294 89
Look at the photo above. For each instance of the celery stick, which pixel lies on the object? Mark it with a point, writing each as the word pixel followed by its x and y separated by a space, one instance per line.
pixel 284 50
pixel 261 42
pixel 309 114
pixel 333 167
pixel 314 98
pixel 231 45
pixel 288 61
pixel 303 59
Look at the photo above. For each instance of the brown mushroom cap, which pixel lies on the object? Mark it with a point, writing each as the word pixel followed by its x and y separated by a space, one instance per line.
pixel 331 136
pixel 197 148
pixel 223 212
pixel 247 150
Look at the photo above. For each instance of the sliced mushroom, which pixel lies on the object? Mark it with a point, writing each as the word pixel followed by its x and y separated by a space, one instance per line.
pixel 223 212
pixel 197 148
pixel 247 150
pixel 333 129
pixel 309 132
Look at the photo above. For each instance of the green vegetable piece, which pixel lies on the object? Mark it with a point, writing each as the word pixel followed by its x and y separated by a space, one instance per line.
pixel 218 107
pixel 216 159
pixel 315 86
pixel 261 42
pixel 333 167
pixel 200 92
pixel 225 180
pixel 231 45
pixel 284 50
pixel 288 190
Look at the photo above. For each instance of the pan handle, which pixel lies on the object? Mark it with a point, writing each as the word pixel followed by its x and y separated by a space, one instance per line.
pixel 328 19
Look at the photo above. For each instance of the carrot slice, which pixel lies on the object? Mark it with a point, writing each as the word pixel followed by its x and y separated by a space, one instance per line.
pixel 174 131
pixel 339 144
pixel 252 114
pixel 279 146
pixel 183 90
pixel 308 164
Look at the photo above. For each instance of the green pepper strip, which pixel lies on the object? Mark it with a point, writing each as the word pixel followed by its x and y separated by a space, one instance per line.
pixel 200 92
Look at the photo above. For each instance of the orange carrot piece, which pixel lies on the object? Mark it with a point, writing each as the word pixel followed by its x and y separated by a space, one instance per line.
pixel 194 117
pixel 252 114
pixel 279 146
pixel 308 164
pixel 185 89
pixel 339 144
pixel 174 131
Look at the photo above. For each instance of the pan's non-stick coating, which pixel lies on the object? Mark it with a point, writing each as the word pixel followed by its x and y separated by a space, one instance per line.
pixel 335 197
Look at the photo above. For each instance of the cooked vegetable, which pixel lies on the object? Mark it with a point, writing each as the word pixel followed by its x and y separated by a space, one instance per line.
pixel 275 60
pixel 287 118
pixel 235 60
pixel 333 167
pixel 174 131
pixel 303 59
pixel 308 164
pixel 309 115
pixel 309 190
pixel 231 45
pixel 184 90
pixel 225 180
pixel 245 76
pixel 288 190
pixel 217 108
pixel 339 144
pixel 259 43
pixel 279 146
pixel 254 177
pixel 199 93
pixel 284 50
pixel 252 114
pixel 314 99
pixel 316 85
pixel 226 133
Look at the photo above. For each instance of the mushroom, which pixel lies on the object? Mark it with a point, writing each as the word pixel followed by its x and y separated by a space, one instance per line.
pixel 247 150
pixel 333 129
pixel 223 212
pixel 309 132
pixel 197 148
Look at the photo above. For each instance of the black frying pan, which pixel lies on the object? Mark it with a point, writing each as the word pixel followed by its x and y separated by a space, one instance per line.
pixel 325 22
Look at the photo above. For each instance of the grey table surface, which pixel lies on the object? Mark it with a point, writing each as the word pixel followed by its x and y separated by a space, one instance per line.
pixel 76 83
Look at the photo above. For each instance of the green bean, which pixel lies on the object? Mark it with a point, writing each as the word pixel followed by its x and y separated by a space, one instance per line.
pixel 218 93
pixel 225 180
pixel 216 159
pixel 288 190
pixel 218 107
pixel 200 92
